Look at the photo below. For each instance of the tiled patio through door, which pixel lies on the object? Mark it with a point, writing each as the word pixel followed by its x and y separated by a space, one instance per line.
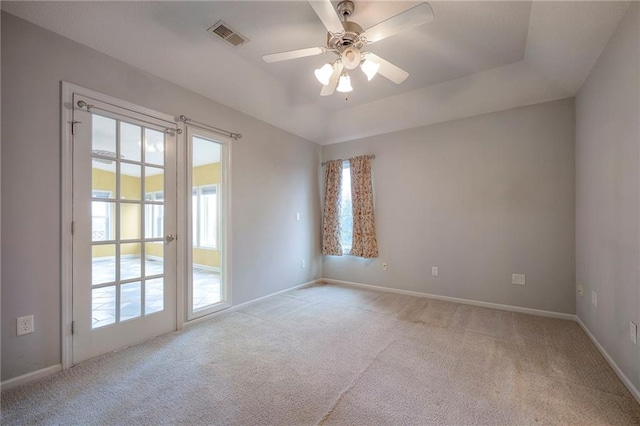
pixel 206 289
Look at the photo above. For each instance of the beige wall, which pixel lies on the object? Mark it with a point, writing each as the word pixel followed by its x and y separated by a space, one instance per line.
pixel 273 176
pixel 608 194
pixel 480 198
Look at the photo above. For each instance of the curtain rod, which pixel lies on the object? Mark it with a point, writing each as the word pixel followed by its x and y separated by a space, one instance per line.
pixel 83 105
pixel 188 120
pixel 371 157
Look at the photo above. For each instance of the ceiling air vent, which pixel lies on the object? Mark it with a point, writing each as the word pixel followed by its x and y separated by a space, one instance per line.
pixel 224 31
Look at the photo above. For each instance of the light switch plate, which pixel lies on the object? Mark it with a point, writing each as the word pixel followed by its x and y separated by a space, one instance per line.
pixel 594 299
pixel 434 271
pixel 385 266
pixel 518 279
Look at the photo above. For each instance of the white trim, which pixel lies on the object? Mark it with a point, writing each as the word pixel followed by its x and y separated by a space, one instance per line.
pixel 207 268
pixel 509 308
pixel 181 224
pixel 66 215
pixel 250 302
pixel 632 389
pixel 30 377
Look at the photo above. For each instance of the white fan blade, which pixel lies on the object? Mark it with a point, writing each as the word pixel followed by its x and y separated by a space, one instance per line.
pixel 293 54
pixel 387 69
pixel 417 15
pixel 333 81
pixel 327 14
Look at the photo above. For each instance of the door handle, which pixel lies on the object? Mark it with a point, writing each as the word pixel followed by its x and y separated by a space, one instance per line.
pixel 169 238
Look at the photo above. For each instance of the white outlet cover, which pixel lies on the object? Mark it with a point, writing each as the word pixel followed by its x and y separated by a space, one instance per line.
pixel 24 325
pixel 594 299
pixel 633 332
pixel 434 271
pixel 518 279
pixel 302 264
pixel 298 216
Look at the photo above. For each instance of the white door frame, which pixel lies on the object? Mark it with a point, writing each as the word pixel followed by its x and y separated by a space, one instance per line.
pixel 68 91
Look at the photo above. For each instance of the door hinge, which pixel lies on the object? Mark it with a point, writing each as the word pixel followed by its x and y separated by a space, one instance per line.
pixel 73 126
pixel 73 327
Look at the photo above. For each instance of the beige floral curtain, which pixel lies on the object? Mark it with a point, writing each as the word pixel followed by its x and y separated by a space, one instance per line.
pixel 331 215
pixel 364 242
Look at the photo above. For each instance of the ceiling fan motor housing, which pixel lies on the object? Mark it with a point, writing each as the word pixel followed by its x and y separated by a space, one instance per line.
pixel 351 37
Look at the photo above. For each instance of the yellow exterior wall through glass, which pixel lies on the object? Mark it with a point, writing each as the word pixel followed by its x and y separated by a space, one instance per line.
pixel 206 175
pixel 103 180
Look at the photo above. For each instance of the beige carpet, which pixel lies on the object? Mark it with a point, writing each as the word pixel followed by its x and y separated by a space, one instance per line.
pixel 337 355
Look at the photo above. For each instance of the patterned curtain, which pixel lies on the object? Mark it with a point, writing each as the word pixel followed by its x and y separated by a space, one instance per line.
pixel 364 227
pixel 331 215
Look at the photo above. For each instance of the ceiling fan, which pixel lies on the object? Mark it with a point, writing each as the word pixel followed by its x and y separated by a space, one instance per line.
pixel 348 40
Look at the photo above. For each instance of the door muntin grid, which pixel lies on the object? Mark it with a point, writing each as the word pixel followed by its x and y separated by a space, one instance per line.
pixel 127 261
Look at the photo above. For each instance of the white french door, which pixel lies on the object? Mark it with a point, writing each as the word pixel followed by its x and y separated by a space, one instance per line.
pixel 124 228
pixel 207 213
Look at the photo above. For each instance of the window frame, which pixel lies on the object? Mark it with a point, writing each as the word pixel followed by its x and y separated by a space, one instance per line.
pixel 157 230
pixel 197 191
pixel 109 226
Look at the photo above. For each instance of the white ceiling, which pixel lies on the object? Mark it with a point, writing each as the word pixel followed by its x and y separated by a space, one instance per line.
pixel 475 57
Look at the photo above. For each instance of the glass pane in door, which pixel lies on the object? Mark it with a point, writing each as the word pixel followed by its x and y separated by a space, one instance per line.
pixel 127 209
pixel 205 222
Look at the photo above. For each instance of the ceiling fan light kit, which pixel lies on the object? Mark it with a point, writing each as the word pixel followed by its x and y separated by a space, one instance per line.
pixel 347 39
pixel 324 74
pixel 369 68
pixel 344 86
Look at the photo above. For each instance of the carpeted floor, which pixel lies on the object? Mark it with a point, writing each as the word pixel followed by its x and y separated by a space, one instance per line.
pixel 335 355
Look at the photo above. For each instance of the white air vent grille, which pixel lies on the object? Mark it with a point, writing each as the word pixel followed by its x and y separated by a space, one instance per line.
pixel 222 30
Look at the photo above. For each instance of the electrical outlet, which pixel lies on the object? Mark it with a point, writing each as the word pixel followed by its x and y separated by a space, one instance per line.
pixel 24 325
pixel 633 332
pixel 298 216
pixel 385 266
pixel 302 264
pixel 518 279
pixel 594 299
pixel 434 271
pixel 580 290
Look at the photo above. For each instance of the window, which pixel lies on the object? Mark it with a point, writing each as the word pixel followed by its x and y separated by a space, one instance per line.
pixel 101 217
pixel 205 216
pixel 154 215
pixel 346 210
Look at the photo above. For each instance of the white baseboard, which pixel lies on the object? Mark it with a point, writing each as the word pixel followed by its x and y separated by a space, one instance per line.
pixel 39 374
pixel 30 377
pixel 44 372
pixel 242 305
pixel 634 391
pixel 510 308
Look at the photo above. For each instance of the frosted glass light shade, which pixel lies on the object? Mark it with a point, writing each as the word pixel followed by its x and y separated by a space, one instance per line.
pixel 324 74
pixel 344 85
pixel 370 68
